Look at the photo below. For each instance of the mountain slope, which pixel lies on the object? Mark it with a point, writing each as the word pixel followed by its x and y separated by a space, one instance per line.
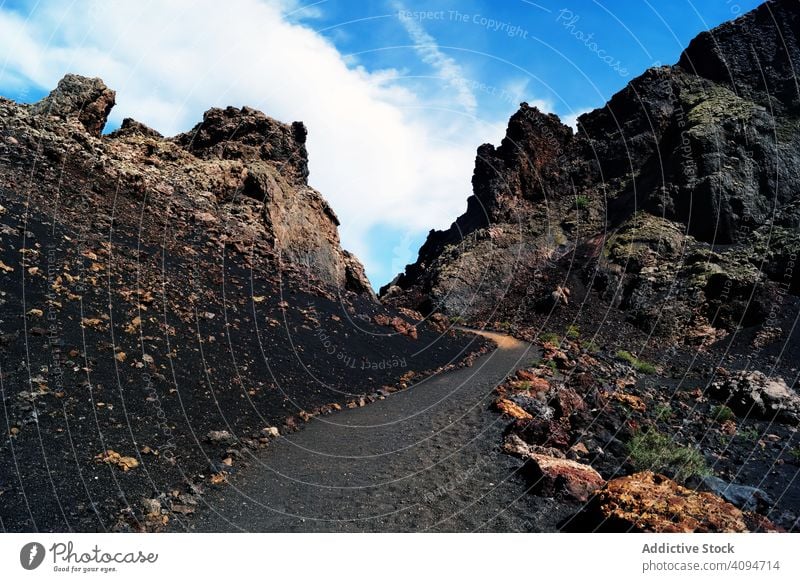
pixel 169 305
pixel 694 166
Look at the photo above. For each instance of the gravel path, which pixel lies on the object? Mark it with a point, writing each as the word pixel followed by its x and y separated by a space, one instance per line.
pixel 426 459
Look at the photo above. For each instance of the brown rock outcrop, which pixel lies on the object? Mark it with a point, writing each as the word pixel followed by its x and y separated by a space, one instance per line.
pixel 648 502
pixel 87 100
pixel 244 173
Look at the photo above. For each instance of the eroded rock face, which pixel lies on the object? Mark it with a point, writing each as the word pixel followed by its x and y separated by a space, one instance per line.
pixel 243 174
pixel 685 157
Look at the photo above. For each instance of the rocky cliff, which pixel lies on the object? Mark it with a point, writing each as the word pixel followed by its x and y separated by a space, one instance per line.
pixel 242 171
pixel 676 202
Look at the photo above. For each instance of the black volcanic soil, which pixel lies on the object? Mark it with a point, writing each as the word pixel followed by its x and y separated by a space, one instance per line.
pixel 426 459
pixel 112 340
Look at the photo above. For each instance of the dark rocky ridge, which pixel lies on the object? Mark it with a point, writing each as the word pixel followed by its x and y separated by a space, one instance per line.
pixel 710 144
pixel 233 153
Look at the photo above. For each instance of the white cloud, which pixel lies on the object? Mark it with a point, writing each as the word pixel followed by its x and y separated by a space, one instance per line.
pixel 378 152
pixel 444 66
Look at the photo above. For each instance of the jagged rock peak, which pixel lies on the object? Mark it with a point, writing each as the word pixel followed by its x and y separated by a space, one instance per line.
pixel 87 99
pixel 757 54
pixel 247 134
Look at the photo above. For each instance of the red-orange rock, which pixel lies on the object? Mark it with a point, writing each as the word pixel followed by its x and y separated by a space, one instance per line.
pixel 563 477
pixel 542 432
pixel 634 402
pixel 566 401
pixel 399 324
pixel 649 502
pixel 505 406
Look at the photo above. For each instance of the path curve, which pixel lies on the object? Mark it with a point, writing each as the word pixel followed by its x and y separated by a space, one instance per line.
pixel 425 459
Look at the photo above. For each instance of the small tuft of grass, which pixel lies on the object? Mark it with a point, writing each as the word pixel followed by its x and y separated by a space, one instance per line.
pixel 591 346
pixel 639 365
pixel 663 412
pixel 581 202
pixel 655 451
pixel 721 413
pixel 573 332
pixel 552 365
pixel 794 452
pixel 751 434
pixel 457 320
pixel 550 338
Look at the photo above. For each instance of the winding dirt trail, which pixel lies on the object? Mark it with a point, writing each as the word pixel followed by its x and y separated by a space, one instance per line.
pixel 425 459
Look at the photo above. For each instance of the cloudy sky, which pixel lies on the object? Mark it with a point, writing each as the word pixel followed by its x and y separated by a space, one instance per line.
pixel 397 94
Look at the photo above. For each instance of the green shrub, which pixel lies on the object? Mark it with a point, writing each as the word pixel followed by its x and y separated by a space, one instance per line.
pixel 657 452
pixel 721 413
pixel 581 202
pixel 638 365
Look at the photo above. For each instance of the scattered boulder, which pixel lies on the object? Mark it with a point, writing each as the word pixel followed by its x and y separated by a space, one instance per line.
pixel 513 445
pixel 151 507
pixel 547 433
pixel 220 437
pixel 271 431
pixel 114 458
pixel 399 324
pixel 566 401
pixel 438 322
pixel 742 496
pixel 755 394
pixel 535 383
pixel 559 477
pixel 536 407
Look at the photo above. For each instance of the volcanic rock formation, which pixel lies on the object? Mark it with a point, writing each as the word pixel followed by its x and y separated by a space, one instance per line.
pixel 677 201
pixel 233 154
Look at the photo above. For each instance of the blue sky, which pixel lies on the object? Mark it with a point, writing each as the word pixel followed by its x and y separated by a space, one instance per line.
pixel 397 94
